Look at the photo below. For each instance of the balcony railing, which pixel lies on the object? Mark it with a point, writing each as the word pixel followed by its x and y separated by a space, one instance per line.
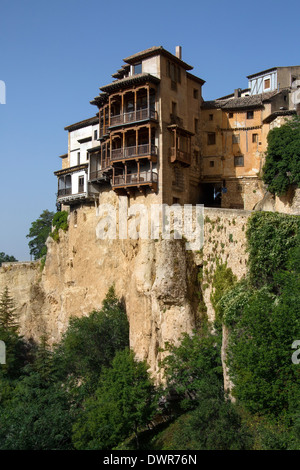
pixel 144 177
pixel 134 151
pixel 180 156
pixel 103 130
pixel 64 192
pixel 133 116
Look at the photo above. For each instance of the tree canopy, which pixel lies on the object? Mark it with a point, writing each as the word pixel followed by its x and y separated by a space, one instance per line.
pixel 39 232
pixel 282 165
pixel 6 258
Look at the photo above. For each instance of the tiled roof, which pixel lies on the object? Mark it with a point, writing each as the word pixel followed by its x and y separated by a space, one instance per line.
pixel 85 123
pixel 155 51
pixel 282 112
pixel 124 82
pixel 244 102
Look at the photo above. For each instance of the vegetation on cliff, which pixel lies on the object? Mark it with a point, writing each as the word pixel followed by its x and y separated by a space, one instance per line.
pixel 262 314
pixel 282 166
pixel 91 392
pixel 39 232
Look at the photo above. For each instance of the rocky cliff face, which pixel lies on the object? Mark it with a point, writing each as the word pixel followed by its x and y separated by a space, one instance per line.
pixel 157 279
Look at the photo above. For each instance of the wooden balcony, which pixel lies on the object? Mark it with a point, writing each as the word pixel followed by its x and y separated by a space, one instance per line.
pixel 64 192
pixel 144 178
pixel 178 155
pixel 134 152
pixel 65 196
pixel 133 116
pixel 103 131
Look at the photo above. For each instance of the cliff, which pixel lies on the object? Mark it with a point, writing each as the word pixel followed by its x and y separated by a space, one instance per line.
pixel 158 280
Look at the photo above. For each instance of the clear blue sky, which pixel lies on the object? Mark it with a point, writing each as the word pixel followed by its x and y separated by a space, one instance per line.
pixel 56 54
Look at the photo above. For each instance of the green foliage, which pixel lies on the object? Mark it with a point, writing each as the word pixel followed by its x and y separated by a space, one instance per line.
pixel 223 280
pixel 270 237
pixel 263 316
pixel 6 258
pixel 214 425
pixel 91 342
pixel 39 232
pixel 37 417
pixel 282 166
pixel 124 401
pixel 265 378
pixel 8 319
pixel 60 221
pixel 193 369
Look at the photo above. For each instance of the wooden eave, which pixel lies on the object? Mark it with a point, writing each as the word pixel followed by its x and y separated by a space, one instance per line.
pixel 72 169
pixel 81 124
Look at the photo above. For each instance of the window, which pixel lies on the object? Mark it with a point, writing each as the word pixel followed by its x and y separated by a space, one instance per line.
pixel 250 114
pixel 254 138
pixel 210 117
pixel 267 83
pixel 196 93
pixel 80 184
pixel 95 134
pixel 173 72
pixel 78 158
pixel 230 115
pixel 138 68
pixel 211 163
pixel 174 108
pixel 211 138
pixel 196 122
pixel 239 161
pixel 235 138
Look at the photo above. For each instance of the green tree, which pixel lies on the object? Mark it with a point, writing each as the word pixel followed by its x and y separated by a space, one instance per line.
pixel 124 402
pixel 7 311
pixel 282 165
pixel 6 258
pixel 60 221
pixel 39 232
pixel 38 416
pixel 215 424
pixel 193 369
pixel 91 342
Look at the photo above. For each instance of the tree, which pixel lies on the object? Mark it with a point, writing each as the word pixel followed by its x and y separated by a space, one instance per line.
pixel 125 400
pixel 91 342
pixel 193 369
pixel 7 311
pixel 39 415
pixel 6 258
pixel 282 166
pixel 39 232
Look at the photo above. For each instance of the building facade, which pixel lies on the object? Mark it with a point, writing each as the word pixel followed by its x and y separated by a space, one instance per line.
pixel 155 139
pixel 148 135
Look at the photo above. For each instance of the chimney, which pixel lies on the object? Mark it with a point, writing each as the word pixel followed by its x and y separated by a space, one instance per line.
pixel 237 92
pixel 178 52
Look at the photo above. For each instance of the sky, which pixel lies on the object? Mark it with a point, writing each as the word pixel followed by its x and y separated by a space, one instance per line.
pixel 54 56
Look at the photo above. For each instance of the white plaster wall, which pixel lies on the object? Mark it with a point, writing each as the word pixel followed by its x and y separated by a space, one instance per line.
pixel 75 176
pixel 152 65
